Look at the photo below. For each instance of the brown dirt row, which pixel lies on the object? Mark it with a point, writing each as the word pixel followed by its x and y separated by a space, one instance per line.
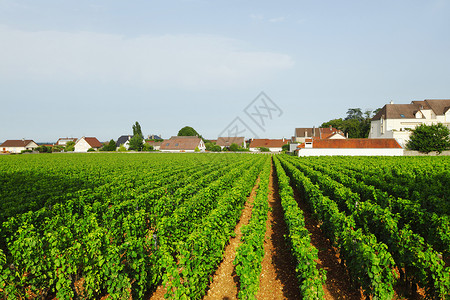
pixel 225 282
pixel 338 284
pixel 278 279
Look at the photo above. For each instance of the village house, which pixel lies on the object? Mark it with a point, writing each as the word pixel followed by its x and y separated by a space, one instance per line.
pixel 183 144
pixel 350 147
pixel 17 146
pixel 63 141
pixel 225 142
pixel 86 143
pixel 301 134
pixel 154 137
pixel 154 144
pixel 397 120
pixel 124 140
pixel 272 144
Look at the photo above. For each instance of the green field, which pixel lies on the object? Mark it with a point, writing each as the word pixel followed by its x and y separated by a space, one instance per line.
pixel 124 223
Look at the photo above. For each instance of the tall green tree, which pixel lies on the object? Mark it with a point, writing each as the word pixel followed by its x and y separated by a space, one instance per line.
pixel 137 129
pixel 428 138
pixel 137 141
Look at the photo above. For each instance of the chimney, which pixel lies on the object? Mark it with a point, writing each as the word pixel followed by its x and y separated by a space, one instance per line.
pixel 392 102
pixel 314 131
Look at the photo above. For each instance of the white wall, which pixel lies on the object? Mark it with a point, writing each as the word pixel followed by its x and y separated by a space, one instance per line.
pixel 82 145
pixel 350 152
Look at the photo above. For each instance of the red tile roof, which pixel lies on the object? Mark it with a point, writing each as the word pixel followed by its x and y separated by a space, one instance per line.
pixel 154 143
pixel 354 143
pixel 268 143
pixel 16 143
pixel 316 132
pixel 181 143
pixel 93 142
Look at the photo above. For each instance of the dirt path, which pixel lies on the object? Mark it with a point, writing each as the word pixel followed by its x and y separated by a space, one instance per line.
pixel 278 279
pixel 224 283
pixel 338 284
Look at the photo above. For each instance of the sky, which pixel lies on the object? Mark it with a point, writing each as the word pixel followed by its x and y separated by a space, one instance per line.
pixel 225 67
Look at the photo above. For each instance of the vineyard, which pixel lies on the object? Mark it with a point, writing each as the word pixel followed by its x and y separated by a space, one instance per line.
pixel 92 226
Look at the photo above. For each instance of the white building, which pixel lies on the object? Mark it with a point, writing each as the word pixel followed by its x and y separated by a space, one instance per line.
pixel 396 120
pixel 86 143
pixel 225 142
pixel 274 145
pixel 350 147
pixel 183 144
pixel 302 134
pixel 64 141
pixel 17 146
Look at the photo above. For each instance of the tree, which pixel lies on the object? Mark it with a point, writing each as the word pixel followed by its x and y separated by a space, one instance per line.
pixel 285 147
pixel 147 147
pixel 111 146
pixel 136 143
pixel 355 125
pixel 137 129
pixel 212 147
pixel 187 131
pixel 57 148
pixel 234 147
pixel 427 138
pixel 70 146
pixel 43 149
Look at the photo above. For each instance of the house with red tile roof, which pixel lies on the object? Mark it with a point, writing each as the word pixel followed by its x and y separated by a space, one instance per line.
pixel 85 143
pixel 156 145
pixel 350 147
pixel 183 144
pixel 274 145
pixel 17 146
pixel 301 134
pixel 225 142
pixel 397 120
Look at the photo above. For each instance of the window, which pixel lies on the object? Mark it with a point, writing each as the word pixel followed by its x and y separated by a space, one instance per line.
pixel 167 145
pixel 402 115
pixel 176 145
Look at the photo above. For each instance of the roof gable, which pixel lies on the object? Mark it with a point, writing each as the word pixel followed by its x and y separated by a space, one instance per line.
pixel 92 141
pixel 408 111
pixel 123 139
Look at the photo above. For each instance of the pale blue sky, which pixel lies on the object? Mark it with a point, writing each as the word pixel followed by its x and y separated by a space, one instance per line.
pixel 93 68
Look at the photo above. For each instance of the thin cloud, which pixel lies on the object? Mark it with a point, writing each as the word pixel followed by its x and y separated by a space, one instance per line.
pixel 182 61
pixel 257 17
pixel 277 20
